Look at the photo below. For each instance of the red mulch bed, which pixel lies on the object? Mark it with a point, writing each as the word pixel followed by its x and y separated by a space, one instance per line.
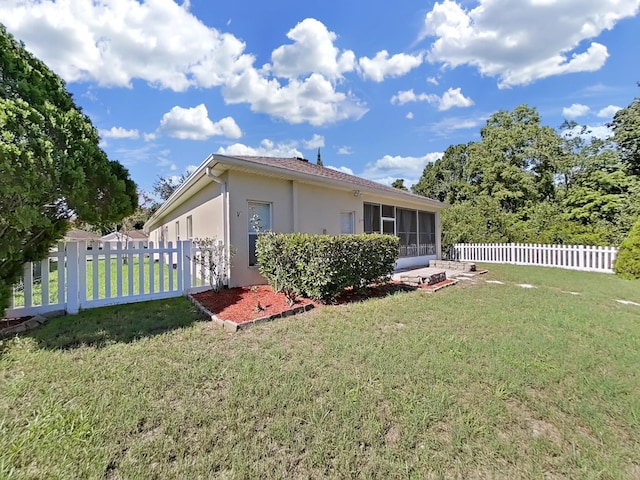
pixel 240 304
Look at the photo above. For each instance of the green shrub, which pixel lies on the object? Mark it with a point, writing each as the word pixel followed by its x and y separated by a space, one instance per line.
pixel 322 266
pixel 628 261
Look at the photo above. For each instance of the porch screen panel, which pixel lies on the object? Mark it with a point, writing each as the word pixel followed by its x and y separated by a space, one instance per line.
pixel 427 232
pixel 407 230
pixel 371 218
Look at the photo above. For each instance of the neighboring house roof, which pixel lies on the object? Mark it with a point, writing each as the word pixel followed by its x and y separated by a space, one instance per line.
pixel 287 168
pixel 77 235
pixel 137 235
pixel 125 236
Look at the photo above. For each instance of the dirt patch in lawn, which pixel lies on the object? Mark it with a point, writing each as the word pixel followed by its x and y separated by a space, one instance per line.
pixel 245 304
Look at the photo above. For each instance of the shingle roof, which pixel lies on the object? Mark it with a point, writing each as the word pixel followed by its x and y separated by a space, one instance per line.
pixel 304 166
pixel 78 235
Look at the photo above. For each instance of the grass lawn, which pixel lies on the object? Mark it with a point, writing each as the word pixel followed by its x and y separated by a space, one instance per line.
pixel 477 381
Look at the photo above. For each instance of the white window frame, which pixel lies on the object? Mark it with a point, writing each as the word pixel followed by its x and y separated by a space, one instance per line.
pixel 177 227
pixel 251 231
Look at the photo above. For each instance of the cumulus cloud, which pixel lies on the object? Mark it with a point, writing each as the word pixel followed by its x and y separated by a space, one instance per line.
pixel 267 148
pixel 609 112
pixel 451 98
pixel 520 42
pixel 382 66
pixel 433 81
pixel 113 42
pixel 317 141
pixel 388 168
pixel 119 132
pixel 409 116
pixel 195 124
pixel 344 150
pixel 313 51
pixel 313 100
pixel 588 132
pixel 343 169
pixel 576 110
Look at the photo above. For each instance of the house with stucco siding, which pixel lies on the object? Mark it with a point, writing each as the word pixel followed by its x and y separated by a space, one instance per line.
pixel 227 195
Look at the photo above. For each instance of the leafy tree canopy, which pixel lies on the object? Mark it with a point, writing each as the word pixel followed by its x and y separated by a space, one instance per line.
pixel 525 182
pixel 51 167
pixel 626 128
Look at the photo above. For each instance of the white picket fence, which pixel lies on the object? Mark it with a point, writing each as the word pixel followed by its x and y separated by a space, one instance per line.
pixel 573 257
pixel 77 277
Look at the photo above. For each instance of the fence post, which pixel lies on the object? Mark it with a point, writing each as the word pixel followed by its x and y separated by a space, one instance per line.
pixel 73 287
pixel 184 263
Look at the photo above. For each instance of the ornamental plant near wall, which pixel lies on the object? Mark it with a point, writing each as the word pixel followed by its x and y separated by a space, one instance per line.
pixel 628 260
pixel 214 260
pixel 323 266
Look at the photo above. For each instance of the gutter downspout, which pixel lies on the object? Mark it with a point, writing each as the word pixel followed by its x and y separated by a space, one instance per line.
pixel 225 218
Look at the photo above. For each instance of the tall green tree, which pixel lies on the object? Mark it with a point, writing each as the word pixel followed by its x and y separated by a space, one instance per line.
pixel 51 167
pixel 399 184
pixel 626 129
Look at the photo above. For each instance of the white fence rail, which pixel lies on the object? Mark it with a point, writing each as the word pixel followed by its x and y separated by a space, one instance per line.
pixel 573 257
pixel 77 277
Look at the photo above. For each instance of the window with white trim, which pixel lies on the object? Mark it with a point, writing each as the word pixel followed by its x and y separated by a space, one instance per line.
pixel 189 227
pixel 177 231
pixel 347 223
pixel 259 221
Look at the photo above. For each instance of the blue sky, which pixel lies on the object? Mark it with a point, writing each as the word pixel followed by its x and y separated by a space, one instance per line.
pixel 382 88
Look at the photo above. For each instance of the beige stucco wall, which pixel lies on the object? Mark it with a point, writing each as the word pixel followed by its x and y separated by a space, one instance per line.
pixel 205 208
pixel 295 207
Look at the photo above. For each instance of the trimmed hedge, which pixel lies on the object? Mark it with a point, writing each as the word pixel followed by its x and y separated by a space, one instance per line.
pixel 322 266
pixel 628 260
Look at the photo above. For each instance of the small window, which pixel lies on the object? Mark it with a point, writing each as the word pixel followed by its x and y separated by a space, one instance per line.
pixel 259 222
pixel 347 223
pixel 189 227
pixel 388 211
pixel 177 231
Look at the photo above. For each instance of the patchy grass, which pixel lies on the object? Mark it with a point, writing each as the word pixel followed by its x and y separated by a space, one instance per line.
pixel 486 381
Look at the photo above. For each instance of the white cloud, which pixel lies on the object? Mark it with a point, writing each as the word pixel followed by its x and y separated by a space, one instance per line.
pixel 382 66
pixel 576 110
pixel 119 132
pixel 451 124
pixel 346 170
pixel 588 132
pixel 113 42
pixel 406 96
pixel 148 137
pixel 344 150
pixel 313 100
pixel 194 124
pixel 451 98
pixel 433 81
pixel 267 148
pixel 409 116
pixel 520 42
pixel 312 52
pixel 317 141
pixel 388 168
pixel 609 112
pixel 454 98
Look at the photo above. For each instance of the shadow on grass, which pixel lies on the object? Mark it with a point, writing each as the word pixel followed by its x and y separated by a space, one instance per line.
pixel 117 324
